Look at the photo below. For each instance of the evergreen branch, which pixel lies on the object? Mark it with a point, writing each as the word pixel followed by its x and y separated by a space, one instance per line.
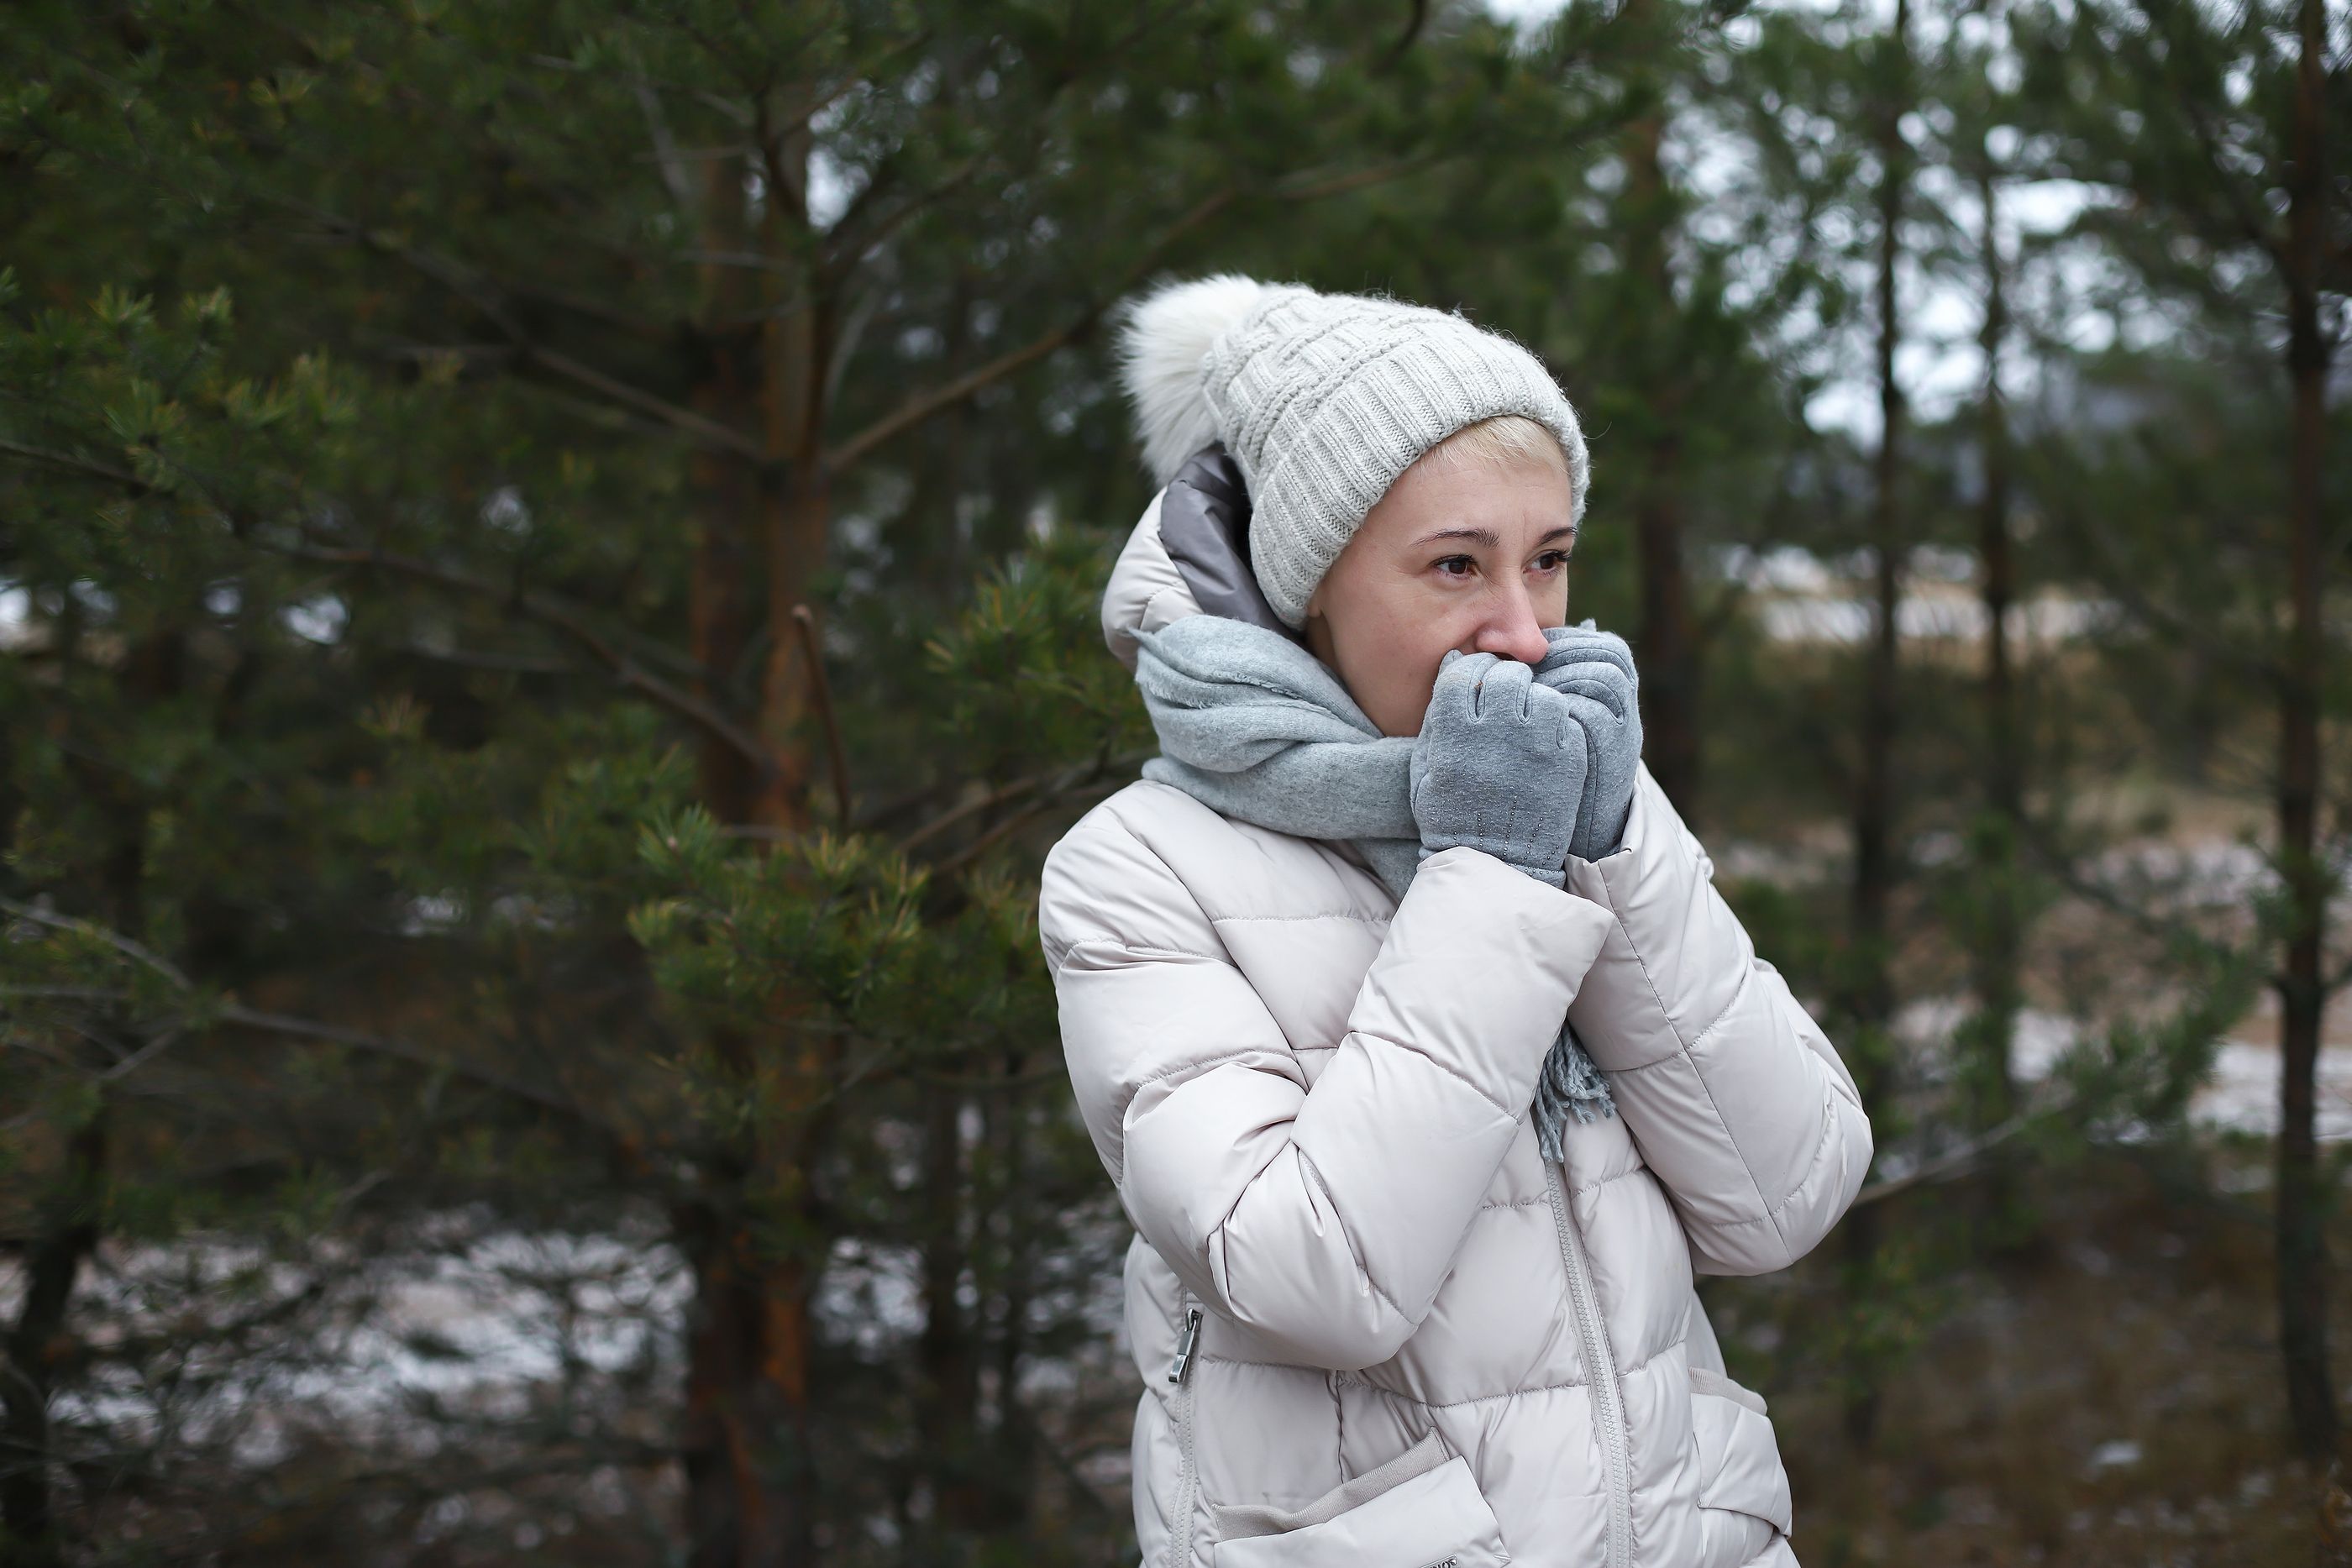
pixel 135 951
pixel 1301 188
pixel 2249 217
pixel 1052 780
pixel 487 299
pixel 537 605
pixel 251 1018
pixel 498 663
pixel 710 430
pixel 924 405
pixel 2148 609
pixel 844 257
pixel 844 243
pixel 592 309
pixel 2134 912
pixel 750 259
pixel 900 804
pixel 70 464
pixel 1044 802
pixel 384 1045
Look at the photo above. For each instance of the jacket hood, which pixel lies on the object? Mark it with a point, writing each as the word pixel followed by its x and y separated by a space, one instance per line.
pixel 1188 555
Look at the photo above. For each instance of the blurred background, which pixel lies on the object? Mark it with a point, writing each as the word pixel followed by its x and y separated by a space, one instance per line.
pixel 548 560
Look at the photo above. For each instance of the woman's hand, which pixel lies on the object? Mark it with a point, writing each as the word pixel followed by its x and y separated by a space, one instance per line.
pixel 1499 765
pixel 1595 671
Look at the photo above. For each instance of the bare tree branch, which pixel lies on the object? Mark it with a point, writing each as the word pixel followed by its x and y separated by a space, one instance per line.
pixel 1414 22
pixel 666 158
pixel 1951 1167
pixel 821 697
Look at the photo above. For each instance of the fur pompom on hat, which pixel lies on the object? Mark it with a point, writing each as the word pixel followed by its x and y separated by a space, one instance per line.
pixel 1324 399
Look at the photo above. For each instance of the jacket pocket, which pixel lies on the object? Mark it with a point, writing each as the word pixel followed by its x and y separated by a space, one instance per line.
pixel 1742 1482
pixel 1420 1510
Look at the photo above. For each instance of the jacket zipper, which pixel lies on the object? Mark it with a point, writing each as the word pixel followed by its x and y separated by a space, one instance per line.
pixel 1180 1543
pixel 1601 1374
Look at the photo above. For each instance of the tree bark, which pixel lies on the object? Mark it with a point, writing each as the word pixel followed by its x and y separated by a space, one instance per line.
pixel 2302 991
pixel 68 1220
pixel 39 1338
pixel 1999 945
pixel 947 1399
pixel 745 1439
pixel 1015 1435
pixel 1667 637
pixel 1869 1001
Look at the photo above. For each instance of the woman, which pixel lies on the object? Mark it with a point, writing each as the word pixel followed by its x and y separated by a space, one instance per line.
pixel 1412 1280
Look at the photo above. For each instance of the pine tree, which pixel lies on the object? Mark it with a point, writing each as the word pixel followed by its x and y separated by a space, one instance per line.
pixel 556 555
pixel 2214 127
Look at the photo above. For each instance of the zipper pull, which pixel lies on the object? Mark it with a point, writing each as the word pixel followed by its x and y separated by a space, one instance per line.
pixel 1184 1345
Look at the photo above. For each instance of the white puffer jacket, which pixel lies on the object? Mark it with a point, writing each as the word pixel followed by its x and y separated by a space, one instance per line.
pixel 1376 1328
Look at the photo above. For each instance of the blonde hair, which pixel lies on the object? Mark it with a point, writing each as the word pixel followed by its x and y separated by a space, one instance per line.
pixel 1501 442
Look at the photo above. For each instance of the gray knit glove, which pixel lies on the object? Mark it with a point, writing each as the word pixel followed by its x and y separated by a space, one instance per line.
pixel 1498 766
pixel 1595 671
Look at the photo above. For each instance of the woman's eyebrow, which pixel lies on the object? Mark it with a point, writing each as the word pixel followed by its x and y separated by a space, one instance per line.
pixel 1489 537
pixel 1486 537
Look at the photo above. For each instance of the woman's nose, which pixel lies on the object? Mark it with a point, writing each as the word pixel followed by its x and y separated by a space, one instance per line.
pixel 1513 630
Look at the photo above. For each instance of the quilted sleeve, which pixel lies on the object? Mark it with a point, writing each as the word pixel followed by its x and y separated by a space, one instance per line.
pixel 1324 1220
pixel 1737 1100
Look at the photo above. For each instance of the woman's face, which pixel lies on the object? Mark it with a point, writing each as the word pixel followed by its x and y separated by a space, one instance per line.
pixel 1471 556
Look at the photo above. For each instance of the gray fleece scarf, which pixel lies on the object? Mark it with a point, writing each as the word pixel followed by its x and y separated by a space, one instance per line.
pixel 1254 727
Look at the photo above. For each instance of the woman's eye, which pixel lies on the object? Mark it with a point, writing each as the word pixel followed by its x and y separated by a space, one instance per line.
pixel 1456 566
pixel 1551 561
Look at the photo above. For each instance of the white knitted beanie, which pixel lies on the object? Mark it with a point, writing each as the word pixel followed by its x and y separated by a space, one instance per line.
pixel 1324 399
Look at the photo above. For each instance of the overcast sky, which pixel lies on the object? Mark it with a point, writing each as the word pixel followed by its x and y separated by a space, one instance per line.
pixel 1938 364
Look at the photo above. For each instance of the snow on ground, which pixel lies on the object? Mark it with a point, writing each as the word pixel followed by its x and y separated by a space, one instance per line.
pixel 479 1331
pixel 2242 1096
pixel 500 1313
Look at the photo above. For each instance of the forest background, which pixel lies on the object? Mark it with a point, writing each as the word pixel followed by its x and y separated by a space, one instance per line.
pixel 548 558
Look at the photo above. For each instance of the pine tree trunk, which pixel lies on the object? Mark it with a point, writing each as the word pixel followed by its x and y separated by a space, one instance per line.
pixel 947 1399
pixel 1870 1003
pixel 796 515
pixel 1015 1439
pixel 68 1222
pixel 1668 649
pixel 40 1336
pixel 2301 1241
pixel 746 1438
pixel 1998 991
